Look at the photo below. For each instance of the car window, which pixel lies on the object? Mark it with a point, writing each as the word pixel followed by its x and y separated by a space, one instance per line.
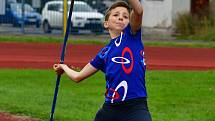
pixel 18 7
pixel 82 8
pixel 55 7
pixel 28 8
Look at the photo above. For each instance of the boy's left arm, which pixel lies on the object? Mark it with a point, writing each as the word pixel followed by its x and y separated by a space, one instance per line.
pixel 136 15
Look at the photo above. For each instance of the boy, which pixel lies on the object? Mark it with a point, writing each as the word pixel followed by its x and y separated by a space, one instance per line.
pixel 122 61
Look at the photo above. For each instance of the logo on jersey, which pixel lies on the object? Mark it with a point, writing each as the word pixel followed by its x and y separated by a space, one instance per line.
pixel 126 60
pixel 115 93
pixel 143 55
pixel 103 53
pixel 120 40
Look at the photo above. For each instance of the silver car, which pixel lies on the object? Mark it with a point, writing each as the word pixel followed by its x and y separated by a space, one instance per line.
pixel 84 17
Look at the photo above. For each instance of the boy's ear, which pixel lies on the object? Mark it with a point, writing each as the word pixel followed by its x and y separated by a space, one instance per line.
pixel 105 24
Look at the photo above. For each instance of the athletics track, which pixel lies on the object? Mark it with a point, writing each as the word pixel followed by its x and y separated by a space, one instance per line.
pixel 43 56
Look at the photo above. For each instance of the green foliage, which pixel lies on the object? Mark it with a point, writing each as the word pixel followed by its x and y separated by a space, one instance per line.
pixel 196 27
pixel 187 24
pixel 173 95
pixel 209 36
pixel 184 24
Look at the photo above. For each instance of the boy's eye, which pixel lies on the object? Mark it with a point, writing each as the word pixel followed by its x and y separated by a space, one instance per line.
pixel 115 14
pixel 126 17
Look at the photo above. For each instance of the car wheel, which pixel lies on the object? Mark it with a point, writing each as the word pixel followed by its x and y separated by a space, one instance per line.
pixel 74 30
pixel 46 27
pixel 37 25
pixel 16 25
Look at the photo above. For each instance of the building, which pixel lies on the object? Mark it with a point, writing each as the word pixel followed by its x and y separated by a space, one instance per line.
pixel 161 13
pixel 157 13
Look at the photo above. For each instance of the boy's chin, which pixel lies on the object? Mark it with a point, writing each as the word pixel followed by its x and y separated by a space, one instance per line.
pixel 120 28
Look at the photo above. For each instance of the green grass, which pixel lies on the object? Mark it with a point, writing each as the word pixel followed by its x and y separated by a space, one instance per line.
pixel 186 44
pixel 46 39
pixel 173 95
pixel 207 36
pixel 182 96
pixel 30 92
pixel 49 39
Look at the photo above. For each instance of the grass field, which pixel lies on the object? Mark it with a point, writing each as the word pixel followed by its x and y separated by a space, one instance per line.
pixel 45 39
pixel 173 95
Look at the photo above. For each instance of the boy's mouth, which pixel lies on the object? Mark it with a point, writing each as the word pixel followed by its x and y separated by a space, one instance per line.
pixel 120 24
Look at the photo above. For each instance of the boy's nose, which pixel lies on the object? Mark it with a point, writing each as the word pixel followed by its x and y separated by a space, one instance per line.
pixel 120 18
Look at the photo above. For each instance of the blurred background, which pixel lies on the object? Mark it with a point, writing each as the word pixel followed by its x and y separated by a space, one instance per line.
pixel 163 19
pixel 176 33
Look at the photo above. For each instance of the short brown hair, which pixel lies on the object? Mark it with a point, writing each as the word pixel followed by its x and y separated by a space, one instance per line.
pixel 115 5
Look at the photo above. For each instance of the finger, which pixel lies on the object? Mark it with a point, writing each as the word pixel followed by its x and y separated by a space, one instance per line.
pixel 60 72
pixel 56 66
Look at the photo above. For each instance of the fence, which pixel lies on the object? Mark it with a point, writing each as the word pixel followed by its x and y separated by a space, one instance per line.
pixel 46 16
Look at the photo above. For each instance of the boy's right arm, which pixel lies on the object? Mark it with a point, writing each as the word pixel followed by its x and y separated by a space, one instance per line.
pixel 136 15
pixel 87 71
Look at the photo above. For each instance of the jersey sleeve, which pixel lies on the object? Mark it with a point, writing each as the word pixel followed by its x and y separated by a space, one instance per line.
pixel 128 31
pixel 98 62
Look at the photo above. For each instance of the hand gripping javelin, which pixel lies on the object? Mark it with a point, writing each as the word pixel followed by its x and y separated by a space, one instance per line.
pixel 61 60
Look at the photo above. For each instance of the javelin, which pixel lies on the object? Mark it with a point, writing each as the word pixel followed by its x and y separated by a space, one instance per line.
pixel 62 60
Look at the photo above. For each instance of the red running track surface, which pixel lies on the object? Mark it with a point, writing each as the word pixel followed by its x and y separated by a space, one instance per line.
pixel 43 56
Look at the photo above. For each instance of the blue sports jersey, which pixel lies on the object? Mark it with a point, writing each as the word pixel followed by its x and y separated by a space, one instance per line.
pixel 123 63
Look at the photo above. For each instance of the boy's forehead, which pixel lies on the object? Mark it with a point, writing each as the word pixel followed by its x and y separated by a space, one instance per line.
pixel 120 9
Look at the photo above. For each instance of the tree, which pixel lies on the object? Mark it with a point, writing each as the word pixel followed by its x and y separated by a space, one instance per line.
pixel 200 7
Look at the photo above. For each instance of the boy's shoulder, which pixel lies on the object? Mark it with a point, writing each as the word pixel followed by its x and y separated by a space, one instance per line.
pixel 129 32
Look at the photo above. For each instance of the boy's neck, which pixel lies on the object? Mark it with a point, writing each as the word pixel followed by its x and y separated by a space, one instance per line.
pixel 114 34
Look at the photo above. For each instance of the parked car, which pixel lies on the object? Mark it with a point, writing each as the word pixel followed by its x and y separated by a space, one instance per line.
pixel 13 15
pixel 83 17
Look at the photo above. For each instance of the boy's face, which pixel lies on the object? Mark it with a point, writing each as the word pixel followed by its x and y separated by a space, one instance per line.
pixel 118 19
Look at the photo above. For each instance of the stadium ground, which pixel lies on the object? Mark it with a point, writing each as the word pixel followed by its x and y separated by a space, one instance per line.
pixel 43 56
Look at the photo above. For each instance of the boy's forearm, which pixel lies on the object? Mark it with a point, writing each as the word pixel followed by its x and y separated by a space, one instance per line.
pixel 136 6
pixel 87 71
pixel 71 73
pixel 136 15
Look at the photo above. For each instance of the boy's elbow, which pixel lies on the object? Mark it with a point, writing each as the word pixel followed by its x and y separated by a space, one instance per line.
pixel 140 11
pixel 77 79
